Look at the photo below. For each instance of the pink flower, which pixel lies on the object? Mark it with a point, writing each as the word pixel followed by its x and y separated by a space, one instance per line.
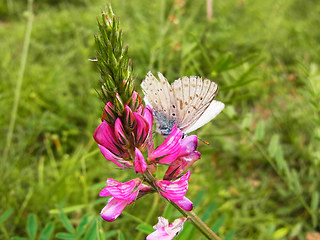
pixel 169 150
pixel 141 131
pixel 187 156
pixel 109 146
pixel 176 190
pixel 166 230
pixel 133 130
pixel 140 165
pixel 122 194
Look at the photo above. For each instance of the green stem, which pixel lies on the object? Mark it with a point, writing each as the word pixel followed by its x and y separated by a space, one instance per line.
pixel 191 216
pixel 17 92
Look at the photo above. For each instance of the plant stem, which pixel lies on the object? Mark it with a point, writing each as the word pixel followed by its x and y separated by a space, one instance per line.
pixel 17 92
pixel 196 221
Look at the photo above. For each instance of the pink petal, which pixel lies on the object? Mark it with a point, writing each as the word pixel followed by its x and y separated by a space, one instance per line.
pixel 188 145
pixel 185 204
pixel 144 189
pixel 170 157
pixel 113 209
pixel 170 146
pixel 141 130
pixel 120 133
pixel 162 222
pixel 124 191
pixel 165 230
pixel 109 113
pixel 113 158
pixel 104 135
pixel 140 164
pixel 104 192
pixel 130 121
pixel 159 234
pixel 147 115
pixel 174 190
pixel 181 164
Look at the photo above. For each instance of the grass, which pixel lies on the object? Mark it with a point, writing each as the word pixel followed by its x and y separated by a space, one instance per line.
pixel 259 178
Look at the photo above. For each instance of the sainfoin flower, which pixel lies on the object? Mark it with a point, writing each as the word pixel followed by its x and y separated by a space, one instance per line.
pixel 186 157
pixel 126 130
pixel 176 190
pixel 169 150
pixel 122 194
pixel 166 230
pixel 115 140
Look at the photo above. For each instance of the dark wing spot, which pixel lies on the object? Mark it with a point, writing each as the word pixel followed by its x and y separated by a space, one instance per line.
pixel 174 106
pixel 181 104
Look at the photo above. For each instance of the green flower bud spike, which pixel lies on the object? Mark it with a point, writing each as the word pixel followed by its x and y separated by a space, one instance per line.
pixel 113 62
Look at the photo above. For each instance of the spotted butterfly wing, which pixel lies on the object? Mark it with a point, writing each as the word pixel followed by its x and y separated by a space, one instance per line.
pixel 187 102
pixel 158 94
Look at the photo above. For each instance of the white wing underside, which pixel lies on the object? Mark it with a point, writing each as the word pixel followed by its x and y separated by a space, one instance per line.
pixel 212 111
pixel 188 102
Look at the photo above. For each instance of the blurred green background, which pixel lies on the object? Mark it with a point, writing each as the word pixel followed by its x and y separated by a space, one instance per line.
pixel 259 178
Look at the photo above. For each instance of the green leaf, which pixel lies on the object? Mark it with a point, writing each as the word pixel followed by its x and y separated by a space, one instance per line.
pixel 120 236
pixel 208 212
pixel 230 235
pixel 295 230
pixel 247 121
pixel 296 181
pixel 145 228
pixel 47 231
pixel 32 226
pixel 279 158
pixel 315 201
pixel 66 223
pixel 5 215
pixel 260 130
pixel 314 208
pixel 66 236
pixel 19 238
pixel 223 63
pixel 111 233
pixel 187 232
pixel 81 226
pixel 92 232
pixel 168 211
pixel 218 224
pixel 280 233
pixel 273 145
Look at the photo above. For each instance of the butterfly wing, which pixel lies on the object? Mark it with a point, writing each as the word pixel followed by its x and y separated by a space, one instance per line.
pixel 188 102
pixel 210 113
pixel 159 95
pixel 193 96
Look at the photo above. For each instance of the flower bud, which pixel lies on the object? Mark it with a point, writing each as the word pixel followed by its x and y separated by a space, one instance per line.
pixel 135 100
pixel 140 165
pixel 119 107
pixel 109 114
pixel 120 133
pixel 129 119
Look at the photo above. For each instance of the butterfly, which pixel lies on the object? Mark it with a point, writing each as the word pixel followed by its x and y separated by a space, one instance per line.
pixel 188 102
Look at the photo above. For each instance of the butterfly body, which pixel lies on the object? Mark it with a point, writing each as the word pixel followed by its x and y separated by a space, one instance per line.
pixel 188 102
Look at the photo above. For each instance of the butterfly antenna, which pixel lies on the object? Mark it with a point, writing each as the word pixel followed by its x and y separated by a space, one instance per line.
pixel 207 143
